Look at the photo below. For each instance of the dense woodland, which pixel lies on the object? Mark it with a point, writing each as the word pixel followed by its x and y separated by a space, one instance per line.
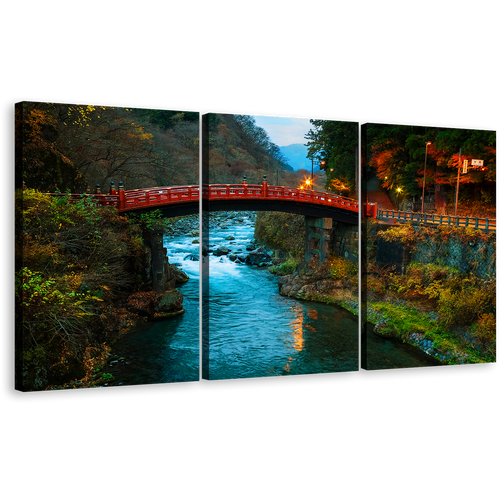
pixel 397 154
pixel 73 147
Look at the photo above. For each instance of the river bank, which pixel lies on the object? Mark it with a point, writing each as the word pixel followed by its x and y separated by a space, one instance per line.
pixel 333 283
pixel 336 282
pixel 396 309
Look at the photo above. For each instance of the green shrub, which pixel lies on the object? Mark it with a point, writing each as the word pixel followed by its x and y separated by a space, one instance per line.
pixel 342 268
pixel 463 306
pixel 281 231
pixel 486 328
pixel 149 219
pixel 400 234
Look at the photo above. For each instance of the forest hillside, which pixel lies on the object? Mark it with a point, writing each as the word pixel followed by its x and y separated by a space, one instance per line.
pixel 78 146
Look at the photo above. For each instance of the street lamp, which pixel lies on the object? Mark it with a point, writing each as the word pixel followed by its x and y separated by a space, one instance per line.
pixel 425 165
pixel 308 182
pixel 399 191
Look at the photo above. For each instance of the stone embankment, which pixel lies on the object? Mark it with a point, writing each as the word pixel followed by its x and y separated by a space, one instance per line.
pixel 313 280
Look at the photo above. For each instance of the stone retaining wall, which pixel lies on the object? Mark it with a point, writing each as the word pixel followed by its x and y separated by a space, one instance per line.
pixel 477 256
pixel 344 240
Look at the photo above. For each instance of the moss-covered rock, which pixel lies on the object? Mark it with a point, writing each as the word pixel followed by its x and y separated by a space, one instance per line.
pixel 169 304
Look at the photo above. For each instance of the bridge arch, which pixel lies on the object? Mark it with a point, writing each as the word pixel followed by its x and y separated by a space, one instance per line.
pixel 320 208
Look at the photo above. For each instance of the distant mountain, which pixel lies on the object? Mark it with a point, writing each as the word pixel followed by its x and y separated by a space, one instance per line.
pixel 297 154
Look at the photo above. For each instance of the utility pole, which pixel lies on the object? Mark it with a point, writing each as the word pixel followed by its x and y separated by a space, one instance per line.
pixel 425 167
pixel 458 179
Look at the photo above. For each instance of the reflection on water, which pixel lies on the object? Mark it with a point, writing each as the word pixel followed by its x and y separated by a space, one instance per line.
pixel 297 333
pixel 312 313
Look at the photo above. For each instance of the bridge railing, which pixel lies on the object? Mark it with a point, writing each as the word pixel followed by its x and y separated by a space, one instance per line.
pixel 438 220
pixel 138 198
pixel 252 191
pixel 159 196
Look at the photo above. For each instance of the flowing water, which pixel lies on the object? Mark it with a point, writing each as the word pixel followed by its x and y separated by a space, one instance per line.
pixel 253 331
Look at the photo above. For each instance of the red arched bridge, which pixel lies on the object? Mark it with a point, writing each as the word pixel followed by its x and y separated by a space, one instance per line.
pixel 320 209
pixel 184 200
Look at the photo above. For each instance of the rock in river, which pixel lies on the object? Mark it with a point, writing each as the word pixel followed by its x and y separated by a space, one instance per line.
pixel 222 251
pixel 257 257
pixel 169 304
pixel 155 305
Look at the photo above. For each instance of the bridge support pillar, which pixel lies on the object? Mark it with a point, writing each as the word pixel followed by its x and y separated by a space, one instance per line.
pixel 317 237
pixel 160 275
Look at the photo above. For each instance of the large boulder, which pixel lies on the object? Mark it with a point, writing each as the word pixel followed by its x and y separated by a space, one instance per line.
pixel 155 305
pixel 257 257
pixel 169 304
pixel 222 251
pixel 179 275
pixel 309 280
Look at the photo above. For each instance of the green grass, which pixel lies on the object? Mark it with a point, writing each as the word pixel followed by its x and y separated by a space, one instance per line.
pixel 287 267
pixel 401 321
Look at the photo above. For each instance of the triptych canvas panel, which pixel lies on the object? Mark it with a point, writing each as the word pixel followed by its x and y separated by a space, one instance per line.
pixel 313 258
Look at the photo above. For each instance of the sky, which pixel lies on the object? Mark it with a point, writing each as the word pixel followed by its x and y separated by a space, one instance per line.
pixel 284 131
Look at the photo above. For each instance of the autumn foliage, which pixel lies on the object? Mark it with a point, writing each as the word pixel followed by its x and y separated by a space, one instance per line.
pixel 73 262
